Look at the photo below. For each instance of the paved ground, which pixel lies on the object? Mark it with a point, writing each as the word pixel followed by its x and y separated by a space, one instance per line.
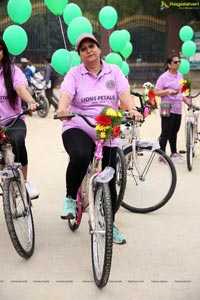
pixel 160 260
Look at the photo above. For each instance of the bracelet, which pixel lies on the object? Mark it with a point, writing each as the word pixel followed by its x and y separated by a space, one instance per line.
pixel 31 102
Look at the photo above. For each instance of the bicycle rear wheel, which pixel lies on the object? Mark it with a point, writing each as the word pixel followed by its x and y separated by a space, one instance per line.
pixel 121 177
pixel 151 182
pixel 18 217
pixel 102 236
pixel 189 145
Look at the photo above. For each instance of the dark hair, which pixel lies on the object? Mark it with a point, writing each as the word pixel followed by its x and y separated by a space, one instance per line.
pixel 47 58
pixel 7 74
pixel 170 59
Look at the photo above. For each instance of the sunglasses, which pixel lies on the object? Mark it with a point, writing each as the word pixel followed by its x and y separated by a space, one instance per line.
pixel 176 62
pixel 1 48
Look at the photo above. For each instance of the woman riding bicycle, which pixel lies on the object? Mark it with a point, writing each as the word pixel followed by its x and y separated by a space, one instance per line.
pixel 13 89
pixel 86 89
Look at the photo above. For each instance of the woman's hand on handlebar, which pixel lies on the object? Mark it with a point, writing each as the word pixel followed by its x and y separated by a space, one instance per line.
pixel 136 114
pixel 32 106
pixel 63 113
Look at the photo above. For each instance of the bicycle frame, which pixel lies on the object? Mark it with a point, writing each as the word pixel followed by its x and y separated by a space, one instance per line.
pixel 94 174
pixel 137 144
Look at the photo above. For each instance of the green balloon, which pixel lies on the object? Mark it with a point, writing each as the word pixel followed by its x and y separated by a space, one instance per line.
pixel 71 11
pixel 186 33
pixel 128 49
pixel 117 40
pixel 108 17
pixel 78 26
pixel 125 68
pixel 56 6
pixel 114 58
pixel 184 66
pixel 16 39
pixel 75 58
pixel 127 34
pixel 189 48
pixel 19 10
pixel 61 61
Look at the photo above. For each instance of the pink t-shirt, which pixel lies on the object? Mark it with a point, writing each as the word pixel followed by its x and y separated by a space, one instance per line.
pixel 5 109
pixel 90 94
pixel 170 81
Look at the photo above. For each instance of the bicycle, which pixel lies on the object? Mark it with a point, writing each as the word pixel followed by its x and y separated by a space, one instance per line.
pixel 151 174
pixel 192 135
pixel 94 193
pixel 16 202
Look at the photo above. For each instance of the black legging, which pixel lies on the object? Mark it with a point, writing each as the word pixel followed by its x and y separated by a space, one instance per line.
pixel 170 127
pixel 17 134
pixel 80 149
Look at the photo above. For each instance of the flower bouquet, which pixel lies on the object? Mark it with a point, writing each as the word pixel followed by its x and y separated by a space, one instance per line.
pixel 107 127
pixel 149 99
pixel 3 137
pixel 108 124
pixel 185 86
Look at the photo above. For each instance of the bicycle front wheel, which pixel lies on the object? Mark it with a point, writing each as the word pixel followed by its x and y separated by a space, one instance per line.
pixel 121 177
pixel 18 217
pixel 75 223
pixel 151 180
pixel 102 235
pixel 189 145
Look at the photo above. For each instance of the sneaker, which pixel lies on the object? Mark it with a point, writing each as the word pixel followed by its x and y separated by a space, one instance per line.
pixel 177 157
pixel 118 237
pixel 32 192
pixel 69 209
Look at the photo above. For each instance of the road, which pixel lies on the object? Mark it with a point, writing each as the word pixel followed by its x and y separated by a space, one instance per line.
pixel 161 257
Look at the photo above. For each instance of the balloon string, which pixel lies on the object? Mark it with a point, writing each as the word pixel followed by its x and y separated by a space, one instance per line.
pixel 13 59
pixel 62 31
pixel 108 40
pixel 63 36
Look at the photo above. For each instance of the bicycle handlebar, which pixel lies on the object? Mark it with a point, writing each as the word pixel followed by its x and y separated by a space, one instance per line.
pixel 194 108
pixel 125 119
pixel 24 112
pixel 72 115
pixel 195 96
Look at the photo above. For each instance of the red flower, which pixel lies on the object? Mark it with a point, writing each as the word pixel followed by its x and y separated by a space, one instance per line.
pixel 103 120
pixel 152 98
pixel 184 88
pixel 116 131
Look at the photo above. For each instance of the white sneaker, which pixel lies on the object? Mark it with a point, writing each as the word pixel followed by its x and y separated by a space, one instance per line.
pixel 32 192
pixel 177 157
